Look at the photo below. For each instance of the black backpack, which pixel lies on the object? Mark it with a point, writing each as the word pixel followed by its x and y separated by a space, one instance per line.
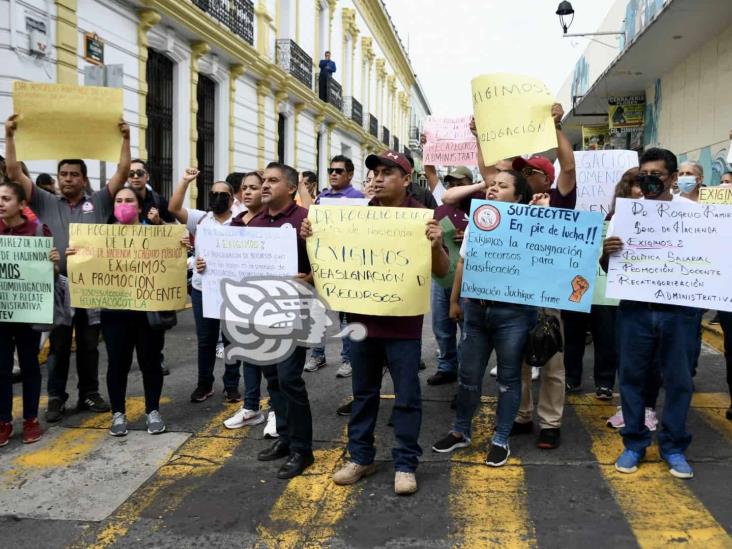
pixel 544 340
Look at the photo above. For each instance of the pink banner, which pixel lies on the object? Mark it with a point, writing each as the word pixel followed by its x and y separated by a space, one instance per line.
pixel 449 142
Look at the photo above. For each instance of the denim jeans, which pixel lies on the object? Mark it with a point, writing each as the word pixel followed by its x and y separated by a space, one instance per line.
pixel 207 334
pixel 445 330
pixel 252 383
pixel 367 360
pixel 87 357
pixel 26 340
pixel 725 321
pixel 503 327
pixel 319 352
pixel 288 397
pixel 601 323
pixel 652 335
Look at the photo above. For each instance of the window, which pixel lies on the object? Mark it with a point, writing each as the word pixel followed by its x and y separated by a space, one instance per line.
pixel 281 135
pixel 205 146
pixel 159 110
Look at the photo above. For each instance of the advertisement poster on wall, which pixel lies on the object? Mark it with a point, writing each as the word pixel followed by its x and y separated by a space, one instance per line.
pixel 626 112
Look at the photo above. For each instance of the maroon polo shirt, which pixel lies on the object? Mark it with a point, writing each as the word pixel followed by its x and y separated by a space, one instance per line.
pixel 292 216
pixel 27 228
pixel 459 215
pixel 392 327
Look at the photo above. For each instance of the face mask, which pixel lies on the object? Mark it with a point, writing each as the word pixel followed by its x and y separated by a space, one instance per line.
pixel 687 183
pixel 220 203
pixel 651 186
pixel 125 213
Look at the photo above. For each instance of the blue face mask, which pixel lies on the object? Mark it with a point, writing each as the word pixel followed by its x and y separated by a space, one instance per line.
pixel 686 183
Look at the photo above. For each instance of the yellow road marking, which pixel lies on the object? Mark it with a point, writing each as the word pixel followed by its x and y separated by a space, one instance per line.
pixel 200 456
pixel 660 509
pixel 306 513
pixel 489 505
pixel 18 405
pixel 712 407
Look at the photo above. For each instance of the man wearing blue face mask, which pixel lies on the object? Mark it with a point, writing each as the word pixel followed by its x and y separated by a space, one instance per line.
pixel 691 179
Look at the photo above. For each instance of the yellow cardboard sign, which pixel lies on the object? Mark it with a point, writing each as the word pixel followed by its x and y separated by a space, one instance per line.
pixel 62 121
pixel 132 267
pixel 375 260
pixel 715 195
pixel 512 116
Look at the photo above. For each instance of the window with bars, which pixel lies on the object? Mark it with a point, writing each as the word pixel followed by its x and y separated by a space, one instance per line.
pixel 159 111
pixel 205 146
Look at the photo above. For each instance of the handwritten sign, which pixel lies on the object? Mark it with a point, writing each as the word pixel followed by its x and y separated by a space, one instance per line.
pixel 597 174
pixel 674 253
pixel 449 142
pixel 236 253
pixel 512 115
pixel 715 195
pixel 531 255
pixel 599 296
pixel 374 260
pixel 64 121
pixel 26 279
pixel 132 267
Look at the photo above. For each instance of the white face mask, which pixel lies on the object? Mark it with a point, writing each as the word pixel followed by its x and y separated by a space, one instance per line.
pixel 686 183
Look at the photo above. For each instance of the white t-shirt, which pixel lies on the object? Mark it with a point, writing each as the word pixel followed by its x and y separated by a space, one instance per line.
pixel 196 218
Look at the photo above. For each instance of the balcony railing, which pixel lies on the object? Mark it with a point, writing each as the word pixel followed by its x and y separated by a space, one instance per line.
pixel 373 126
pixel 295 61
pixel 237 15
pixel 385 136
pixel 413 133
pixel 353 109
pixel 335 94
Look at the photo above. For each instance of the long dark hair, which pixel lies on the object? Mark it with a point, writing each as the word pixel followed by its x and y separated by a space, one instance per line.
pixel 521 188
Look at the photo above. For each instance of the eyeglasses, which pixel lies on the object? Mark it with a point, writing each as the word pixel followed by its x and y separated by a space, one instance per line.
pixel 338 171
pixel 137 173
pixel 528 170
pixel 214 195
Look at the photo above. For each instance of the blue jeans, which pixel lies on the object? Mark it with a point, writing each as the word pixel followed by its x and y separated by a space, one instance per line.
pixel 445 330
pixel 367 360
pixel 319 352
pixel 22 337
pixel 503 327
pixel 252 390
pixel 651 336
pixel 288 397
pixel 207 334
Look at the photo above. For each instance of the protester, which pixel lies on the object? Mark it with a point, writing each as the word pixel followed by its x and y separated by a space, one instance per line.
pixel 489 326
pixel 46 182
pixel 327 69
pixel 652 335
pixel 235 179
pixel 368 185
pixel 155 206
pixel 691 179
pixel 726 180
pixel 127 330
pixel 725 320
pixel 393 340
pixel 287 392
pixel 421 194
pixel 58 212
pixel 340 175
pixel 307 189
pixel 20 336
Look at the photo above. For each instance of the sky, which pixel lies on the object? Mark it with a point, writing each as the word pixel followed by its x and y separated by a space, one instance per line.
pixel 452 41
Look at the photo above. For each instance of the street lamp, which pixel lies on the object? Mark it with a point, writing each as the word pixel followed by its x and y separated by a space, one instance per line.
pixel 565 10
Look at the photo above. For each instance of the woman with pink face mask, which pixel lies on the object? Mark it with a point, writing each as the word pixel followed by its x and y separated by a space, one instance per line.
pixel 126 330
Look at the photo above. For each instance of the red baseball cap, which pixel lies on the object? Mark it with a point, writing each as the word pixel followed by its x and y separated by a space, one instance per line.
pixel 537 162
pixel 389 158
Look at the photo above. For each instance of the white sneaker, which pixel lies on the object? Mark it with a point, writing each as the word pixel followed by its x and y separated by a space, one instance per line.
pixel 315 363
pixel 244 417
pixel 270 430
pixel 494 371
pixel 344 370
pixel 219 350
pixel 535 372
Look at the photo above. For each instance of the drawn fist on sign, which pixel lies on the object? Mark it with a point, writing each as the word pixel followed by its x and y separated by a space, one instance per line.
pixel 579 288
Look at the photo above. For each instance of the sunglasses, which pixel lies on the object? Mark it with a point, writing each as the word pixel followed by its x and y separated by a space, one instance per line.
pixel 528 170
pixel 214 195
pixel 138 173
pixel 338 171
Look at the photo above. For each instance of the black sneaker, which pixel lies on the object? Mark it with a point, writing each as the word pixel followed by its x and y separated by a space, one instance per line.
pixel 55 410
pixel 450 442
pixel 441 378
pixel 604 393
pixel 201 393
pixel 497 455
pixel 231 395
pixel 93 402
pixel 522 428
pixel 548 439
pixel 570 388
pixel 345 409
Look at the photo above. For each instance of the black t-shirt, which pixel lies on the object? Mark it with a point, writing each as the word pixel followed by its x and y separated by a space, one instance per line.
pixel 154 200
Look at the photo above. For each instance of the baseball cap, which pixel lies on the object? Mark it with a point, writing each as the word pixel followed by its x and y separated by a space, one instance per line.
pixel 460 172
pixel 388 158
pixel 537 162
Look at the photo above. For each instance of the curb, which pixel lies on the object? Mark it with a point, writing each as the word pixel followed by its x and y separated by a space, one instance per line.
pixel 713 336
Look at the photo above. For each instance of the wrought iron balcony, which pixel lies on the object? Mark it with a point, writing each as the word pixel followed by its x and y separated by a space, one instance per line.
pixel 385 136
pixel 237 15
pixel 353 109
pixel 335 94
pixel 373 126
pixel 295 61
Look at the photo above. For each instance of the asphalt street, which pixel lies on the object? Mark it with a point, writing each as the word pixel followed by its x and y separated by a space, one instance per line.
pixel 200 485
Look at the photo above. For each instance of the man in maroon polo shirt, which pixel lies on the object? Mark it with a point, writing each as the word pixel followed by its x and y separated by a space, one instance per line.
pixel 395 341
pixel 287 392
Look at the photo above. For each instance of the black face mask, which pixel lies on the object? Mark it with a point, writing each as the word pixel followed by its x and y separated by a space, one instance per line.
pixel 219 203
pixel 651 186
